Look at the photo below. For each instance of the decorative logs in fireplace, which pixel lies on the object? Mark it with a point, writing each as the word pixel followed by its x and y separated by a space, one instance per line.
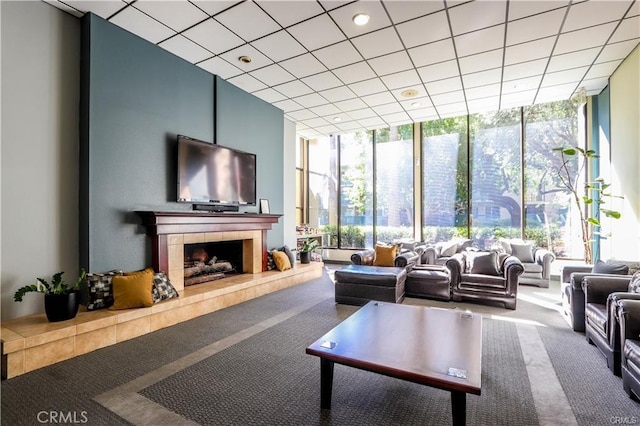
pixel 197 272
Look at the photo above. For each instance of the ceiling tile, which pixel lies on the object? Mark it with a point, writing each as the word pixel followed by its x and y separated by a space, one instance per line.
pixel 573 60
pixel 354 72
pixel 324 110
pixel 521 84
pixel 310 100
pixel 220 67
pixel 432 53
pixel 589 13
pixel 287 105
pixel 317 32
pixel 315 122
pixel 378 99
pixel 397 119
pixel 476 106
pixel 529 51
pixel 388 64
pixel 248 21
pixel 477 15
pixel 423 114
pixel 604 69
pixel 619 50
pixel 452 110
pixel 524 69
pixel 361 113
pixel 416 103
pixel 401 79
pixel 520 9
pixel 350 104
pixel 332 4
pixel 322 81
pixel 185 48
pixel 481 61
pixel 103 9
pixel 174 14
pixel 594 86
pixel 534 27
pixel 481 78
pixel 482 91
pixel 272 75
pixel 373 123
pixel 480 41
pixel 214 7
pixel 401 10
pixel 290 12
pixel 338 55
pixel 293 89
pixel 65 8
pixel 303 65
pixel 338 94
pixel 518 99
pixel 279 46
pixel 134 21
pixel 351 126
pixel 327 130
pixel 367 87
pixel 213 36
pixel 628 29
pixel 388 108
pixel 303 114
pixel 378 43
pixel 583 39
pixel 413 34
pixel 344 15
pixel 447 98
pixel 555 93
pixel 258 60
pixel 269 95
pixel 439 71
pixel 246 83
pixel 444 86
pixel 563 77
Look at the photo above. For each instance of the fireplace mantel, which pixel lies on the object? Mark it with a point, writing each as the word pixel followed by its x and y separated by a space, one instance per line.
pixel 166 228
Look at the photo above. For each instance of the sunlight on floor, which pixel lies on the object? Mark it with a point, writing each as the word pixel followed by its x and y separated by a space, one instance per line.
pixel 554 306
pixel 517 320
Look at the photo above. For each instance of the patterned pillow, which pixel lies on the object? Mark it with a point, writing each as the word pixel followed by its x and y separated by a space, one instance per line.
pixel 97 290
pixel 634 285
pixel 162 289
pixel 271 263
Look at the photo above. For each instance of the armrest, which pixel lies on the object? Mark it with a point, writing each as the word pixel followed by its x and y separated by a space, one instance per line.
pixel 629 314
pixel 597 288
pixel 544 258
pixel 429 256
pixel 566 271
pixel 364 257
pixel 578 277
pixel 456 265
pixel 512 269
pixel 407 258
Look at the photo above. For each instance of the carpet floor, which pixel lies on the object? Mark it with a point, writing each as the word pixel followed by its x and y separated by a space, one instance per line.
pixel 246 365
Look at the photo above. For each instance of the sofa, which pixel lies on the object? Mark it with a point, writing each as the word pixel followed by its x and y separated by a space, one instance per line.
pixel 602 296
pixel 485 276
pixel 571 276
pixel 535 260
pixel 629 317
pixel 440 252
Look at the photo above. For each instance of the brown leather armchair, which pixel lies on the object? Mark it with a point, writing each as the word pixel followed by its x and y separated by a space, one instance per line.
pixel 479 282
pixel 602 295
pixel 629 317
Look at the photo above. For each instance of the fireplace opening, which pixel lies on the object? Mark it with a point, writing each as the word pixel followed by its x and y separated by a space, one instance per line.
pixel 205 262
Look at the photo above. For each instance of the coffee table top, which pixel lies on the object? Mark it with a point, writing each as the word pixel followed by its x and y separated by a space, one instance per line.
pixel 424 345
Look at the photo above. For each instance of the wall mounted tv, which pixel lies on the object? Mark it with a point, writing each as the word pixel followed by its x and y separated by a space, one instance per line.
pixel 214 177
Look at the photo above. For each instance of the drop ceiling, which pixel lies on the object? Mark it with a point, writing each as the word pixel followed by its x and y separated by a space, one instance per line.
pixel 329 75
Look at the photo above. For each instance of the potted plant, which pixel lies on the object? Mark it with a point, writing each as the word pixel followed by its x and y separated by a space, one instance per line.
pixel 308 245
pixel 60 299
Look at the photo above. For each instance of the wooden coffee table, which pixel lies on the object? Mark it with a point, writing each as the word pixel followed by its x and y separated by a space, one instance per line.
pixel 435 347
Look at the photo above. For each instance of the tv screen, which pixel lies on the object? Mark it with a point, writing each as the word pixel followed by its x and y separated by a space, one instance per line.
pixel 214 174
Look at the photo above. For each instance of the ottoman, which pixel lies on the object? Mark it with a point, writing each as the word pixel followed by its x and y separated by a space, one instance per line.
pixel 358 284
pixel 433 283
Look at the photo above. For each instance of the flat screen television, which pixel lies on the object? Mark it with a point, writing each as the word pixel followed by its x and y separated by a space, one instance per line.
pixel 214 177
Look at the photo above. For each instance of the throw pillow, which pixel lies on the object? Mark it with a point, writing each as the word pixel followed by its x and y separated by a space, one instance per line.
pixel 97 290
pixel 505 244
pixel 271 264
pixel 162 288
pixel 524 252
pixel 282 260
pixel 290 255
pixel 385 255
pixel 616 268
pixel 449 248
pixel 133 290
pixel 482 262
pixel 634 285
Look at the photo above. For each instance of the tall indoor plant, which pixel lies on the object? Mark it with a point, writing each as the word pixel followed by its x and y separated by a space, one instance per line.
pixel 60 298
pixel 591 193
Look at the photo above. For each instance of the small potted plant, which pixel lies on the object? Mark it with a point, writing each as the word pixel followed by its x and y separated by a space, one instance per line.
pixel 308 245
pixel 60 298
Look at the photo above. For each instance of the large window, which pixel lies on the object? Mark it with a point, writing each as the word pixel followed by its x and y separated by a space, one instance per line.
pixel 323 186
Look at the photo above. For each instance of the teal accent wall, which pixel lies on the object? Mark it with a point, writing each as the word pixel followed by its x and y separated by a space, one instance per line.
pixel 135 99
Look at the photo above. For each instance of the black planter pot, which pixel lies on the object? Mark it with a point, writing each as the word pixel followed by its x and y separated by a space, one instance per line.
pixel 61 307
pixel 305 257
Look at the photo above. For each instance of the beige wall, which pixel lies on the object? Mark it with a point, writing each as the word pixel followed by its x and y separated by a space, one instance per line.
pixel 625 156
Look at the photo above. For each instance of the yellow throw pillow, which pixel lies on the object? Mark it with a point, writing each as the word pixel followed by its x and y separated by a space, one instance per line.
pixel 281 259
pixel 385 255
pixel 133 290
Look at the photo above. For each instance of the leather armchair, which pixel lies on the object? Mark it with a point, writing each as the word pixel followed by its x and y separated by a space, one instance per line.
pixel 406 259
pixel 629 318
pixel 481 287
pixel 602 295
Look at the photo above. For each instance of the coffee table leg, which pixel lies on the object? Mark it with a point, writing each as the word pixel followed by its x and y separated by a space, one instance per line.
pixel 326 382
pixel 459 408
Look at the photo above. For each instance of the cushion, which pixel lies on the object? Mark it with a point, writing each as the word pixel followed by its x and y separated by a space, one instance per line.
pixel 290 255
pixel 634 285
pixel 505 244
pixel 449 248
pixel 385 255
pixel 482 262
pixel 162 288
pixel 133 290
pixel 524 252
pixel 97 290
pixel 281 259
pixel 616 268
pixel 271 264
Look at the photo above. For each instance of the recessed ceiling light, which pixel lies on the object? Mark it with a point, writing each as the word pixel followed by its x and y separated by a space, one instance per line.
pixel 245 59
pixel 415 104
pixel 360 19
pixel 409 93
pixel 337 118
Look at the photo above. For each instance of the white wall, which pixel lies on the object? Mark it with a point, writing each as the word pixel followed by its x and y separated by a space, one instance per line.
pixel 625 157
pixel 289 184
pixel 40 48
